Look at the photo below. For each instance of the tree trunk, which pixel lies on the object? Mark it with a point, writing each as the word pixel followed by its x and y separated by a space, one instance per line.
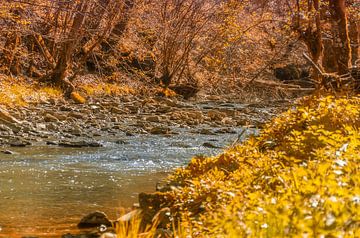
pixel 312 37
pixel 60 74
pixel 354 34
pixel 10 59
pixel 341 38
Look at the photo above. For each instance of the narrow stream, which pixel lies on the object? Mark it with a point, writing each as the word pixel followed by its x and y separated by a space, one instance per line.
pixel 44 191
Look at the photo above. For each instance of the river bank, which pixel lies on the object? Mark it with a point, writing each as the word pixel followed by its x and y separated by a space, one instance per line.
pixel 68 124
pixel 68 153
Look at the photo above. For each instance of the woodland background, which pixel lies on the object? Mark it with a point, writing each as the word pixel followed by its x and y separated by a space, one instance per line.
pixel 186 45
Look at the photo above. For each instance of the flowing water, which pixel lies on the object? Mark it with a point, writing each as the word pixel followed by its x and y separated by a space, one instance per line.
pixel 46 190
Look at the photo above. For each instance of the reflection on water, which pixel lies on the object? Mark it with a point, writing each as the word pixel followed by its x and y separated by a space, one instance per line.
pixel 46 190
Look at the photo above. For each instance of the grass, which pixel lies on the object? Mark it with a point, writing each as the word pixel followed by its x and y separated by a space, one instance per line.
pixel 299 178
pixel 19 92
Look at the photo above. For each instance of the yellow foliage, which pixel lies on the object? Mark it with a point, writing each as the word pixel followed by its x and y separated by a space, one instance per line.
pixel 77 98
pixel 16 92
pixel 107 89
pixel 299 178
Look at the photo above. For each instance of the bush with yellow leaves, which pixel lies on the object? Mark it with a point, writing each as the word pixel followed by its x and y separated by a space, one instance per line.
pixel 299 178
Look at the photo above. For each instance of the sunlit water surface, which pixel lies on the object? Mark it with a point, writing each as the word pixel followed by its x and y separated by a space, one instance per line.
pixel 46 190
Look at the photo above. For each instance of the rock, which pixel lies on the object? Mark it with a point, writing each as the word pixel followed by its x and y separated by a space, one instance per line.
pixel 19 143
pixel 52 127
pixel 209 145
pixel 59 116
pixel 195 115
pixel 225 131
pixel 76 115
pixel 117 110
pixel 128 133
pixel 4 128
pixel 94 219
pixel 75 131
pixel 152 118
pixel 108 235
pixel 213 98
pixel 79 144
pixel 40 126
pixel 227 121
pixel 121 142
pixel 205 131
pixel 216 115
pixel 4 115
pixel 50 118
pixel 65 109
pixel 159 130
pixel 7 152
pixel 163 109
pixel 51 143
pixel 12 125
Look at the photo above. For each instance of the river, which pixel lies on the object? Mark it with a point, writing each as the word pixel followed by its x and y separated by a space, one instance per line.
pixel 44 191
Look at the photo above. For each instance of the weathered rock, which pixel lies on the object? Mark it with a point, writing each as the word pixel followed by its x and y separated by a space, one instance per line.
pixel 209 145
pixel 117 110
pixel 4 128
pixel 225 131
pixel 51 143
pixel 121 142
pixel 159 130
pixel 94 219
pixel 108 235
pixel 216 115
pixel 19 143
pixel 153 118
pixel 4 115
pixel 195 115
pixel 65 108
pixel 163 109
pixel 50 118
pixel 227 121
pixel 7 152
pixel 76 115
pixel 79 144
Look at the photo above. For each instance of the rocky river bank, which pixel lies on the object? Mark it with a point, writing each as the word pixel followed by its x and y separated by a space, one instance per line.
pixel 67 124
pixel 115 121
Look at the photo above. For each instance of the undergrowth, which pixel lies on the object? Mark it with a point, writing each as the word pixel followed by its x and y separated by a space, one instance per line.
pixel 299 178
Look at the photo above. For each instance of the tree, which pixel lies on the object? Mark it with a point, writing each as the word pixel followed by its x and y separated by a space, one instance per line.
pixel 340 35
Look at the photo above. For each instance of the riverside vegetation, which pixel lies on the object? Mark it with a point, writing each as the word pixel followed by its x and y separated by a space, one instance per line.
pixel 300 177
